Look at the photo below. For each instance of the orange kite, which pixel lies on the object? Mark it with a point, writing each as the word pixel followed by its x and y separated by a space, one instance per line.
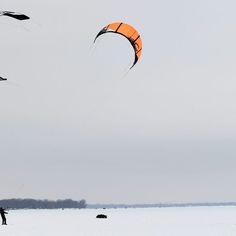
pixel 128 32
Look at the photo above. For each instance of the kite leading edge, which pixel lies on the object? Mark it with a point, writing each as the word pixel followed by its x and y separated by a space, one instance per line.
pixel 2 79
pixel 14 15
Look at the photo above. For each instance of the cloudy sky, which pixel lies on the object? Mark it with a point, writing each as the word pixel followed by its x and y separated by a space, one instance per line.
pixel 75 124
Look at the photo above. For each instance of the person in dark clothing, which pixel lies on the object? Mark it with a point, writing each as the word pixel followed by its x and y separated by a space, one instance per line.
pixel 3 212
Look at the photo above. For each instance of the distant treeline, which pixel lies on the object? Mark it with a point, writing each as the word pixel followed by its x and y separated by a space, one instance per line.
pixel 41 204
pixel 162 205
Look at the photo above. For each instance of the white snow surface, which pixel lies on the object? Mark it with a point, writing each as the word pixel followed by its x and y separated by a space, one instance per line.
pixel 189 221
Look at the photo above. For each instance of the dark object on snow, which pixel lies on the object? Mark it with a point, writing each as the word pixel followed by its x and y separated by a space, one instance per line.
pixel 101 216
pixel 3 212
pixel 1 78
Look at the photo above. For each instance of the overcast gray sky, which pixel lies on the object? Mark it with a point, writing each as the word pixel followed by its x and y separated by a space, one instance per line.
pixel 73 124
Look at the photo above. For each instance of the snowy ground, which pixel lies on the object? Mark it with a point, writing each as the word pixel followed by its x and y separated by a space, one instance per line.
pixel 192 221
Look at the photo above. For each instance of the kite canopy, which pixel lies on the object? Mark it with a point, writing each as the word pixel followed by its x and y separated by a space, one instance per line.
pixel 1 78
pixel 128 32
pixel 14 15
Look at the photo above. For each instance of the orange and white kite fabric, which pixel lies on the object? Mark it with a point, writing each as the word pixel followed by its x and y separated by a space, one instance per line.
pixel 128 32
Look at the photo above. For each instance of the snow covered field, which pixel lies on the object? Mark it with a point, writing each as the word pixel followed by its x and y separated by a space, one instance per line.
pixel 191 221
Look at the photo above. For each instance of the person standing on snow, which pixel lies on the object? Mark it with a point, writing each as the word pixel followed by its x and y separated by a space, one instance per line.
pixel 3 212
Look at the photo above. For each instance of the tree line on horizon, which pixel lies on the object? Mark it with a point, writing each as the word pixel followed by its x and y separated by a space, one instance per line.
pixel 28 203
